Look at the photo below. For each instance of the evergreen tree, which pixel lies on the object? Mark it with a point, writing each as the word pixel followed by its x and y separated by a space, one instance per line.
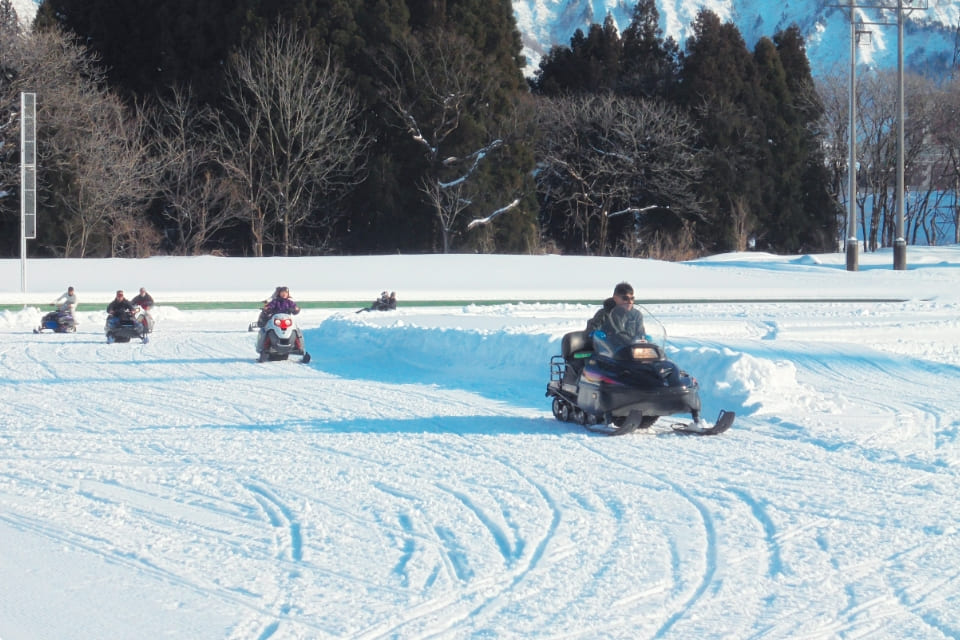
pixel 148 46
pixel 491 26
pixel 780 216
pixel 718 85
pixel 9 21
pixel 591 64
pixel 821 211
pixel 649 64
pixel 796 213
pixel 477 42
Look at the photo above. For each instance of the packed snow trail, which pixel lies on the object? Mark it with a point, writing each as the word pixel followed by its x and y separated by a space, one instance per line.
pixel 411 481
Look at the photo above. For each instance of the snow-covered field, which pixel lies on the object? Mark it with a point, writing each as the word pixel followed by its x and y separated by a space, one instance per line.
pixel 410 481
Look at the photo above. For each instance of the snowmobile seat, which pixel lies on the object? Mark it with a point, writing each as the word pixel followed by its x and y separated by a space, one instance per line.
pixel 576 345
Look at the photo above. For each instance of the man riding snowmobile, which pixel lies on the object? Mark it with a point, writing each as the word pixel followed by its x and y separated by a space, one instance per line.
pixel 61 320
pixel 613 374
pixel 621 322
pixel 122 324
pixel 144 301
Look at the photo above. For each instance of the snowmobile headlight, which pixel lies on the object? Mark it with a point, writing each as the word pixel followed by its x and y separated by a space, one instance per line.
pixel 283 323
pixel 641 352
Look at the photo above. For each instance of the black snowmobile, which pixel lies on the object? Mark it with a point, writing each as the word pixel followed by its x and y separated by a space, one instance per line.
pixel 58 322
pixel 124 328
pixel 623 387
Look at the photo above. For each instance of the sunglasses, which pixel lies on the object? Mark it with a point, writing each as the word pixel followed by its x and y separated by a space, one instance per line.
pixel 626 296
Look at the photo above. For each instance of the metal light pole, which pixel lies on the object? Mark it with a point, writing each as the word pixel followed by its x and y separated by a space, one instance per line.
pixel 853 259
pixel 899 242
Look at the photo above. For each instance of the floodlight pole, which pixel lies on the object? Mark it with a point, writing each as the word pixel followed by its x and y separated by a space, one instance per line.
pixel 28 179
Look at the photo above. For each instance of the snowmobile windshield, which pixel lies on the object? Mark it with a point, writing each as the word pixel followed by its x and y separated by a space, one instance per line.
pixel 605 346
pixel 621 328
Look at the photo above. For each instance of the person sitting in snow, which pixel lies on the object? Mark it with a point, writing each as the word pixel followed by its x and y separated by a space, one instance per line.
pixel 381 303
pixel 378 304
pixel 386 302
pixel 282 303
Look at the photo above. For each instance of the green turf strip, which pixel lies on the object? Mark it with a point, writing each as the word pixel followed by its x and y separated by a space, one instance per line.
pixel 352 304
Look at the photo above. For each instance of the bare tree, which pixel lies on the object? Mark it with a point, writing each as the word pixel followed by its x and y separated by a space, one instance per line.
pixel 877 155
pixel 12 42
pixel 931 154
pixel 946 137
pixel 93 170
pixel 291 141
pixel 834 92
pixel 435 85
pixel 604 156
pixel 198 197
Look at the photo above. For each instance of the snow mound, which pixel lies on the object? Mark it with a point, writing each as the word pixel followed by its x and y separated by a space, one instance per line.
pixel 513 364
pixel 754 385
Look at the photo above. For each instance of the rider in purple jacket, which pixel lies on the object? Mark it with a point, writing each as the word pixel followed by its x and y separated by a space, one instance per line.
pixel 282 303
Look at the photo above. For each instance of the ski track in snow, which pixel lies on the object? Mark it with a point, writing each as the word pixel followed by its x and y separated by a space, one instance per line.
pixel 432 494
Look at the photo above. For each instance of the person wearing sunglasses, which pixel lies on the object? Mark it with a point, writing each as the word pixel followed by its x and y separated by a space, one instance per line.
pixel 620 322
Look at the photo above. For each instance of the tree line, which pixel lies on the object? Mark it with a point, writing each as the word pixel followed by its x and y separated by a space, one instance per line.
pixel 305 127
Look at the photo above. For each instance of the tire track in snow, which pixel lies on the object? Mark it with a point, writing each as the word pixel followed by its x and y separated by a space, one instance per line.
pixel 288 540
pixel 514 553
pixel 711 553
pixel 138 564
pixel 758 509
pixel 486 591
pixel 683 591
pixel 281 518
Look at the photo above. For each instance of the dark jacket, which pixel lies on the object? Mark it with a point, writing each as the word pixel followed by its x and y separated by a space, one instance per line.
pixel 120 308
pixel 144 300
pixel 623 327
pixel 600 317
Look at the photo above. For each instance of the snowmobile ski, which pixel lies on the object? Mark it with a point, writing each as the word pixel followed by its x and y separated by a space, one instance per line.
pixel 724 422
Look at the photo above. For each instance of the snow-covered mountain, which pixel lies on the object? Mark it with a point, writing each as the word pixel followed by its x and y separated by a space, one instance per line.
pixel 931 33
